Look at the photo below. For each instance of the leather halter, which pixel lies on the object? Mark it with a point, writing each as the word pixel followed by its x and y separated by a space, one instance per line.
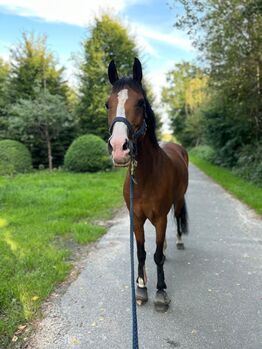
pixel 132 134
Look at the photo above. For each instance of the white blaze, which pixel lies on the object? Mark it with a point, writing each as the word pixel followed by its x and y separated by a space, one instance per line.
pixel 120 129
pixel 122 97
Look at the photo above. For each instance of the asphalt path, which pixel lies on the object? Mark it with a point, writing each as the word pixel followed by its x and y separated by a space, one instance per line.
pixel 215 284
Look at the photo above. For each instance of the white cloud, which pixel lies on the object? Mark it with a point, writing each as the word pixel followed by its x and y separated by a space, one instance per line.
pixel 4 50
pixel 82 13
pixel 77 12
pixel 4 55
pixel 172 38
pixel 146 47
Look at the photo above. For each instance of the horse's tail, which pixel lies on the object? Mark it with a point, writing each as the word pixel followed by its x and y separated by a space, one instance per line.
pixel 182 219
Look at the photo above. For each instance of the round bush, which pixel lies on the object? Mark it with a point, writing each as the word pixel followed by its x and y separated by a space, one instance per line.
pixel 87 153
pixel 14 157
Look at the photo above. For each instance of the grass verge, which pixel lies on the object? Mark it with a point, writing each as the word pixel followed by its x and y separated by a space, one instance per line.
pixel 247 192
pixel 38 212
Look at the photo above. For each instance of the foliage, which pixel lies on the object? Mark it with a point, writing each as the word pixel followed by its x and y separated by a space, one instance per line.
pixel 34 68
pixel 46 117
pixel 167 137
pixel 108 40
pixel 249 163
pixel 228 35
pixel 248 192
pixel 4 71
pixel 184 95
pixel 223 131
pixel 43 215
pixel 14 157
pixel 204 152
pixel 87 153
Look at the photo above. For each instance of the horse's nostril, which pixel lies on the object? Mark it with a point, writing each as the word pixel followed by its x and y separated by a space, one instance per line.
pixel 125 145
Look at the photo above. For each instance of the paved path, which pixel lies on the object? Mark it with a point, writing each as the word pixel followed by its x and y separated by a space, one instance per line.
pixel 215 285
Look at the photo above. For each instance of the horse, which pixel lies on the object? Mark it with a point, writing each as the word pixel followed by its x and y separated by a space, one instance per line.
pixel 160 172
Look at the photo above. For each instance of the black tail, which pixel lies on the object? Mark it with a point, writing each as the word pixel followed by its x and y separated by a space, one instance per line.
pixel 182 220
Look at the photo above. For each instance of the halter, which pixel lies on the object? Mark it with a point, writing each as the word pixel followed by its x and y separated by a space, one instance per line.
pixel 132 134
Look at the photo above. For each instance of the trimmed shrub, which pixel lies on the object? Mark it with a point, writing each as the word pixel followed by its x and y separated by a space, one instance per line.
pixel 87 153
pixel 14 157
pixel 204 152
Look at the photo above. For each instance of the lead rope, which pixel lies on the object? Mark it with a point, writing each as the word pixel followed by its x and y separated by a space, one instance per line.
pixel 133 293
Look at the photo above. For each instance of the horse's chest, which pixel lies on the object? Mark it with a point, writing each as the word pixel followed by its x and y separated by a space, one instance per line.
pixel 152 205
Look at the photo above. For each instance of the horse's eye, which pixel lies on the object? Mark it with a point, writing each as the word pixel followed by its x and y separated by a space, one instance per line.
pixel 107 105
pixel 141 103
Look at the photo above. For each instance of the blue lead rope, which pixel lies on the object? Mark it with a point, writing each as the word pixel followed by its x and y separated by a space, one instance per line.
pixel 133 292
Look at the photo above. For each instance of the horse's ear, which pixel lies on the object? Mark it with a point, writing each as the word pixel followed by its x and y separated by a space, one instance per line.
pixel 137 71
pixel 112 72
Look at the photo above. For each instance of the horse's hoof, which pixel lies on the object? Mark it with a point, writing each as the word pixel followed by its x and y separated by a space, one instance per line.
pixel 141 295
pixel 162 301
pixel 180 246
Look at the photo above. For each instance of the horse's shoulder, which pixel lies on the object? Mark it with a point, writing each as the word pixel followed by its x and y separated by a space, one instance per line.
pixel 174 151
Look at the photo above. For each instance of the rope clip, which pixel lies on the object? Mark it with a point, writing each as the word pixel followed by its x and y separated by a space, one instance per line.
pixel 132 169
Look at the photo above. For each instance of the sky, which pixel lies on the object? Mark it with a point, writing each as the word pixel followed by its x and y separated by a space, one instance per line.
pixel 66 23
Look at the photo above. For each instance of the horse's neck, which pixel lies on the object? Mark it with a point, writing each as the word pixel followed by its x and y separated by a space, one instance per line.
pixel 146 160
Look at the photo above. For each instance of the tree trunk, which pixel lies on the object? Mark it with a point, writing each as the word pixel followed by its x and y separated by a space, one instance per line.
pixel 49 150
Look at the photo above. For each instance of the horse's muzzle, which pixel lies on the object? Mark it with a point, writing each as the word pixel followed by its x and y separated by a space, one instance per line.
pixel 120 152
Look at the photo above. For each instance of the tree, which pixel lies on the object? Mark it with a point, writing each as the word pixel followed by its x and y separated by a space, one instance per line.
pixel 228 35
pixel 4 72
pixel 46 117
pixel 34 67
pixel 185 94
pixel 108 40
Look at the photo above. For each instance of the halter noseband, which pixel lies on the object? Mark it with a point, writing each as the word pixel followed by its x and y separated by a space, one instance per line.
pixel 132 134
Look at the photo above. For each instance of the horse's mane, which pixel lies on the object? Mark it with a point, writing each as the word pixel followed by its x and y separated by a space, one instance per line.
pixel 150 116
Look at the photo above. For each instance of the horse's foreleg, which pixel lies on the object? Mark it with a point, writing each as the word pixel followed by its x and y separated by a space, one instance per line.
pixel 161 301
pixel 141 291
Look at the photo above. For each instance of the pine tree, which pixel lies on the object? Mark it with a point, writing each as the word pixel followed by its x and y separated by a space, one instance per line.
pixel 108 40
pixel 33 67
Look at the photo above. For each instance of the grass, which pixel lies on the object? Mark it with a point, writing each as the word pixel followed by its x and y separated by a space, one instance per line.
pixel 38 212
pixel 246 191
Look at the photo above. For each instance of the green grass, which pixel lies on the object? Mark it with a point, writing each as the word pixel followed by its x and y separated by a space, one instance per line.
pixel 38 213
pixel 246 191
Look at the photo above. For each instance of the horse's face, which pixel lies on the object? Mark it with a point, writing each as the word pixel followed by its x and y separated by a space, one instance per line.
pixel 127 103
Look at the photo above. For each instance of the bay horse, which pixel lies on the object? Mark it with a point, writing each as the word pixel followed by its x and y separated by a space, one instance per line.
pixel 161 172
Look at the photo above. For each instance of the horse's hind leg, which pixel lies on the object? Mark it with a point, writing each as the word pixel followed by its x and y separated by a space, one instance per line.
pixel 181 219
pixel 161 300
pixel 141 290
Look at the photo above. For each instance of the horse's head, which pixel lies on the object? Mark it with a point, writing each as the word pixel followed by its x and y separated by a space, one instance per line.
pixel 126 114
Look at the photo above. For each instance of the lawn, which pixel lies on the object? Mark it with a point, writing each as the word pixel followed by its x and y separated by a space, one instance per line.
pixel 246 191
pixel 39 213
